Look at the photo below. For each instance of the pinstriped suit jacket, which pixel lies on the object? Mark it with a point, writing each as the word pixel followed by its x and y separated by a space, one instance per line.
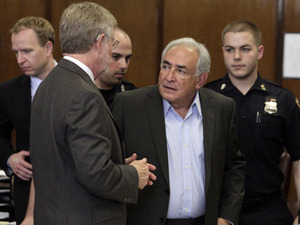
pixel 140 117
pixel 76 153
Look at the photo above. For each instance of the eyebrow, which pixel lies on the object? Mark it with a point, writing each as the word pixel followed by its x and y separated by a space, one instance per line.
pixel 178 66
pixel 23 49
pixel 166 62
pixel 243 46
pixel 118 54
pixel 181 67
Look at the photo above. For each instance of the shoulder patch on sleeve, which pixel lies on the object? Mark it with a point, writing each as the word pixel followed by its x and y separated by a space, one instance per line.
pixel 297 102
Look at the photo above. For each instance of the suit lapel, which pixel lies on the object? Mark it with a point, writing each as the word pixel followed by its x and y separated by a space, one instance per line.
pixel 157 124
pixel 208 113
pixel 25 95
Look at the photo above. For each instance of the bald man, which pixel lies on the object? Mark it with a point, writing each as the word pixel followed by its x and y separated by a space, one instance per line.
pixel 111 81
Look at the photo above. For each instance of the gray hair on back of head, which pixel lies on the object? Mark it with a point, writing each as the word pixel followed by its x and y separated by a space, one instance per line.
pixel 80 25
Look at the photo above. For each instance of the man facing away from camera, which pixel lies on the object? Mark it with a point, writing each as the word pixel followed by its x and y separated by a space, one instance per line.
pixel 79 175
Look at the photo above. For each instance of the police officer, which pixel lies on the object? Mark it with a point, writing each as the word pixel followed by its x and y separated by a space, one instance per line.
pixel 111 81
pixel 268 119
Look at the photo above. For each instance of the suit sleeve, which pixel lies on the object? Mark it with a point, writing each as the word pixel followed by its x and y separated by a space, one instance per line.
pixel 93 142
pixel 6 148
pixel 234 175
pixel 117 112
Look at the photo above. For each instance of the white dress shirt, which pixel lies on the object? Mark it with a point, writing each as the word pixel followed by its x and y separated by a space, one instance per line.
pixel 82 66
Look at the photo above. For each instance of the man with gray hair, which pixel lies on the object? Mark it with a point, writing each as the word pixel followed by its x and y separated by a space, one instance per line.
pixel 78 166
pixel 187 131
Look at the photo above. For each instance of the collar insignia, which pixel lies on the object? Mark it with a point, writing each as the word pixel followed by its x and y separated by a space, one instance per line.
pixel 223 86
pixel 263 87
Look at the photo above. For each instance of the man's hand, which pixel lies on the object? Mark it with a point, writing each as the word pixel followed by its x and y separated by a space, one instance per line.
pixel 143 168
pixel 27 221
pixel 296 221
pixel 20 167
pixel 222 221
pixel 151 176
pixel 131 159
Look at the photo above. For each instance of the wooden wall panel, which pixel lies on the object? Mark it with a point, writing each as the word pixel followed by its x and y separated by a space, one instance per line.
pixel 292 24
pixel 204 20
pixel 292 15
pixel 139 19
pixel 11 12
pixel 151 24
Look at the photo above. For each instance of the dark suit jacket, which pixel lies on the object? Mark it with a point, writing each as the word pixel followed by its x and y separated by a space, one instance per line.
pixel 140 117
pixel 74 145
pixel 15 103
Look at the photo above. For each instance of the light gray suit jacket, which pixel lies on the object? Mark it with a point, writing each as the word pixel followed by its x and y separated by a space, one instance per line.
pixel 140 117
pixel 76 154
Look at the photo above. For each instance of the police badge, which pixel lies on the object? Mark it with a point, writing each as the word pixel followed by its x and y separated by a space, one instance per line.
pixel 271 105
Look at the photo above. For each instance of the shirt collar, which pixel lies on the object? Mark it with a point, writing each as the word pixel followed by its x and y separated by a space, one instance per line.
pixel 259 84
pixel 35 82
pixel 82 66
pixel 227 85
pixel 196 105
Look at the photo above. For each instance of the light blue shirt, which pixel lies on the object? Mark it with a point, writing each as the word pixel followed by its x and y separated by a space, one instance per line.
pixel 35 83
pixel 186 161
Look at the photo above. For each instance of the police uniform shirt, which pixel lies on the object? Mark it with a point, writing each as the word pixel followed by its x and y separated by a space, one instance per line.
pixel 109 95
pixel 268 119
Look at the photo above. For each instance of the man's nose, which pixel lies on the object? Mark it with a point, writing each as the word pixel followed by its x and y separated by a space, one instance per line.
pixel 237 54
pixel 171 74
pixel 123 64
pixel 20 58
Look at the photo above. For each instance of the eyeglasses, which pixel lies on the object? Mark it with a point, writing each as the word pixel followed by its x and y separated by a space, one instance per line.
pixel 114 42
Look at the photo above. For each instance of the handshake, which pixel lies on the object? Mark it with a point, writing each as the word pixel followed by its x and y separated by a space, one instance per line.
pixel 143 169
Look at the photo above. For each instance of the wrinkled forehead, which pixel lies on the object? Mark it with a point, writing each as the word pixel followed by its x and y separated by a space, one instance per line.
pixel 183 56
pixel 182 53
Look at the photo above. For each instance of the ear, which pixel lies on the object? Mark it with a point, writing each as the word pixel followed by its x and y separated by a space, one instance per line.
pixel 201 80
pixel 223 49
pixel 49 48
pixel 99 41
pixel 261 49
